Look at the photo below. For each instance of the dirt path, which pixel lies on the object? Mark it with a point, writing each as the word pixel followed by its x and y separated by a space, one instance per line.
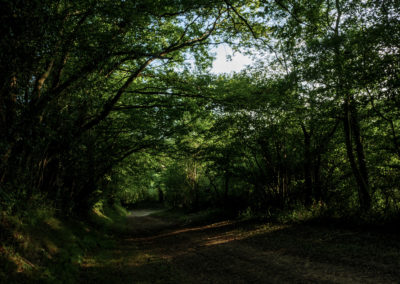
pixel 240 252
pixel 144 212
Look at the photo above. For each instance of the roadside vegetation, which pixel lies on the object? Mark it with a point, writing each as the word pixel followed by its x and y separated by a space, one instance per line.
pixel 43 247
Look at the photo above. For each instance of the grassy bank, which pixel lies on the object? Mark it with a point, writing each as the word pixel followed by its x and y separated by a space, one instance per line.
pixel 40 246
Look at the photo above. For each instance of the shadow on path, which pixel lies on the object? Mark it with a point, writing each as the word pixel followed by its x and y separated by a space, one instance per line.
pixel 245 252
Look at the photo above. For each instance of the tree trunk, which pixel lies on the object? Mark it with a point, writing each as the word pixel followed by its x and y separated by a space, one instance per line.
pixel 227 177
pixel 351 129
pixel 307 164
pixel 317 178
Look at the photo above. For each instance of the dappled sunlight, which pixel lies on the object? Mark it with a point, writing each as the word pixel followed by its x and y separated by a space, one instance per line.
pixel 144 212
pixel 242 252
pixel 184 230
pixel 9 257
pixel 236 235
pixel 53 223
pixel 220 240
pixel 188 240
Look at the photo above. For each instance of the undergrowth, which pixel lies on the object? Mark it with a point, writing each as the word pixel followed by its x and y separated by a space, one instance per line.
pixel 40 247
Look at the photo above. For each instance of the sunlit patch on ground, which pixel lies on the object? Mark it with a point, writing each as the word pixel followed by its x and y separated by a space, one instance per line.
pixel 243 252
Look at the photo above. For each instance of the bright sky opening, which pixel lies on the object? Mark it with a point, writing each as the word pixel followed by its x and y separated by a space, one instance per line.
pixel 224 65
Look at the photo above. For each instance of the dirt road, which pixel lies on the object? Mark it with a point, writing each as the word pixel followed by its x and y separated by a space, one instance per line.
pixel 144 212
pixel 161 251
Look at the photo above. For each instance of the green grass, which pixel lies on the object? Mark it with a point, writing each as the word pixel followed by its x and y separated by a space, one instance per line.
pixel 43 248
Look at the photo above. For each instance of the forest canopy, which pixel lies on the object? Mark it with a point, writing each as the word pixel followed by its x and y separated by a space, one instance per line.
pixel 113 101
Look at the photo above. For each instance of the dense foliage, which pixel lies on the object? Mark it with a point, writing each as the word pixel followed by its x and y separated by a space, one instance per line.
pixel 112 100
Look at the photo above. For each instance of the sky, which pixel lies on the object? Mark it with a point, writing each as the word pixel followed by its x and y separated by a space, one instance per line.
pixel 223 65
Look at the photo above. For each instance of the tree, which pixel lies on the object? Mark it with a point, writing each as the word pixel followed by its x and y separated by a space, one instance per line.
pixel 63 83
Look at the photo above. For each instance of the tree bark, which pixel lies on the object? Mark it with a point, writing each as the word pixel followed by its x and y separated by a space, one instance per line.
pixel 307 165
pixel 352 130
